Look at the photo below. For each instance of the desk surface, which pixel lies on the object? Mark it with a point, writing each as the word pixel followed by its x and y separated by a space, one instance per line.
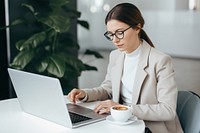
pixel 14 120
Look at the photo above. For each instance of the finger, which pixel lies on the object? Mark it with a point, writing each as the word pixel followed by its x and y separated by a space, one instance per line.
pixel 69 96
pixel 103 111
pixel 97 108
pixel 72 95
pixel 79 95
pixel 100 107
pixel 104 107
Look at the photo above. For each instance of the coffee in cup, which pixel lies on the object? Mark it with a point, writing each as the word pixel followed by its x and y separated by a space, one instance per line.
pixel 121 113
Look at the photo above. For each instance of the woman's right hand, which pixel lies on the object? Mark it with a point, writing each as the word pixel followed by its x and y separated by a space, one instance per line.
pixel 76 94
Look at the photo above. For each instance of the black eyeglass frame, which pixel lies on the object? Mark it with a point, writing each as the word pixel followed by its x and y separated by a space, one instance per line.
pixel 115 34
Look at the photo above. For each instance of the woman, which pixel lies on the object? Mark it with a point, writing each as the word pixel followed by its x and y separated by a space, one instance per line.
pixel 138 75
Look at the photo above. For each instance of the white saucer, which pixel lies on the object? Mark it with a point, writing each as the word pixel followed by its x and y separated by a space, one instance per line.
pixel 110 120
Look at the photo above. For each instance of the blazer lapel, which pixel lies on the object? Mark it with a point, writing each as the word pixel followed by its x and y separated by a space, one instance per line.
pixel 140 73
pixel 116 77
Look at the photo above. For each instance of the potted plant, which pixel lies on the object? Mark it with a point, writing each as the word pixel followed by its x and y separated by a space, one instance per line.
pixel 50 49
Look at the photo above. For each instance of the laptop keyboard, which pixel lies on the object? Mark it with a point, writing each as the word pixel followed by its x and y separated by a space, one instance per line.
pixel 78 118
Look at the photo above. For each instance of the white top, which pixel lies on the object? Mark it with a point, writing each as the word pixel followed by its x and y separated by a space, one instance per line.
pixel 128 76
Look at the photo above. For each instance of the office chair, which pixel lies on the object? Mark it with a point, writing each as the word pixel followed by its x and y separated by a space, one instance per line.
pixel 188 110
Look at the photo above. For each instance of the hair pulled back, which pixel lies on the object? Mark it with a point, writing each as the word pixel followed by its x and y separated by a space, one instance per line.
pixel 131 15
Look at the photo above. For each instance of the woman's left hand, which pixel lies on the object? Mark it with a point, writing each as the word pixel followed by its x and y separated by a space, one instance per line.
pixel 103 107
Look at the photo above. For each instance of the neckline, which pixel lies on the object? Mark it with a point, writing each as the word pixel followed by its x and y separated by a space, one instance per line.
pixel 134 53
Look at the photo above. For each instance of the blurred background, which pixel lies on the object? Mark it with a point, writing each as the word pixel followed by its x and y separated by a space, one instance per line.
pixel 172 25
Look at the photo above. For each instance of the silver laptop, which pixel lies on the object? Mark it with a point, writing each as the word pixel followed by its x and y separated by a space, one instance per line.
pixel 42 96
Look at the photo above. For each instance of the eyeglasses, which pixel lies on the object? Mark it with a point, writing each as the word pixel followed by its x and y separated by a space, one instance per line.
pixel 118 34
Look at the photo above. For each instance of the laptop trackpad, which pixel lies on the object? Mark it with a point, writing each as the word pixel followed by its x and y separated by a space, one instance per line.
pixel 78 109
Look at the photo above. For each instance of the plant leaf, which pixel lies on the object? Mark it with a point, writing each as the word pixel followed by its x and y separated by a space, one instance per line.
pixel 14 23
pixel 67 42
pixel 19 44
pixel 70 72
pixel 84 24
pixel 76 64
pixel 31 42
pixel 29 7
pixel 17 21
pixel 42 66
pixel 56 66
pixel 88 67
pixel 96 54
pixel 58 3
pixel 57 20
pixel 22 59
pixel 72 13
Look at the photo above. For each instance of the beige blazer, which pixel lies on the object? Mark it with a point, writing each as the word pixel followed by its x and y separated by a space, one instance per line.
pixel 154 92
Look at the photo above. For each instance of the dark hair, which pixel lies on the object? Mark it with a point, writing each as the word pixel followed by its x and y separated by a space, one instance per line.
pixel 131 15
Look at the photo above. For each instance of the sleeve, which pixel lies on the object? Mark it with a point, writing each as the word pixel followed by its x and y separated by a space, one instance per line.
pixel 104 91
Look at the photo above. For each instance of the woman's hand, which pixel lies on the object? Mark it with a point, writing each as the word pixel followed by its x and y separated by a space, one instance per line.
pixel 103 107
pixel 76 94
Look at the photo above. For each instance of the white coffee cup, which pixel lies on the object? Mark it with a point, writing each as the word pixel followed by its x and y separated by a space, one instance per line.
pixel 121 113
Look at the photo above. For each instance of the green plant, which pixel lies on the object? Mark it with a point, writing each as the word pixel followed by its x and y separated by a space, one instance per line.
pixel 50 49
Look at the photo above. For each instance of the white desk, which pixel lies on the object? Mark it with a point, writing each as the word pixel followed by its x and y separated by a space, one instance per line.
pixel 13 120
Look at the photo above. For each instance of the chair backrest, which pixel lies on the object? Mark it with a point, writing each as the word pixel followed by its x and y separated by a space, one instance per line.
pixel 188 110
